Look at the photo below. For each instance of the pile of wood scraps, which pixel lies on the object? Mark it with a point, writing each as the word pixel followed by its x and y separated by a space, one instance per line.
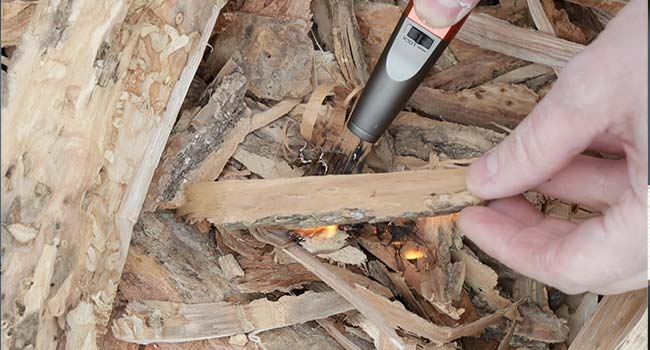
pixel 264 222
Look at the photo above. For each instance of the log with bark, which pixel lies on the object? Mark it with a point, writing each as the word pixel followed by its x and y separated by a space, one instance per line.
pixel 111 77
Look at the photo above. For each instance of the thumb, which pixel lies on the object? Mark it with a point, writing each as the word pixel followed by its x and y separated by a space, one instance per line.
pixel 443 13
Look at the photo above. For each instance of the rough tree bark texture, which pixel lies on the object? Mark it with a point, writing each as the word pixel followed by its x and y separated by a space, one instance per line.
pixel 81 151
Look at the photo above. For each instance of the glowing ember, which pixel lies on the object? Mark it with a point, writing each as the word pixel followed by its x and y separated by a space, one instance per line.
pixel 321 232
pixel 412 251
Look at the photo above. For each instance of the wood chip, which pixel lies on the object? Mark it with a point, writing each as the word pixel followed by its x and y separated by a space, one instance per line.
pixel 311 113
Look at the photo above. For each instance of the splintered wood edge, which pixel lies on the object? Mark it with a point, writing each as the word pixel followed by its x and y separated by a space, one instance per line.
pixel 493 34
pixel 399 317
pixel 328 200
pixel 151 321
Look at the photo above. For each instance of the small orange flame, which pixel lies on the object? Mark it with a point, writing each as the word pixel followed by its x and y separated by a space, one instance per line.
pixel 321 232
pixel 412 251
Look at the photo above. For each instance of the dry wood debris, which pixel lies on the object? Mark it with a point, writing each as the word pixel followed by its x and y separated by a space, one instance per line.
pixel 233 125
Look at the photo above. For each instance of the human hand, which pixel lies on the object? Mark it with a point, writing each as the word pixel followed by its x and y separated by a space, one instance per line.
pixel 599 102
pixel 443 13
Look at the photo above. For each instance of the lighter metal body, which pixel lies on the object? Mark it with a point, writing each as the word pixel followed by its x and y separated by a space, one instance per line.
pixel 409 54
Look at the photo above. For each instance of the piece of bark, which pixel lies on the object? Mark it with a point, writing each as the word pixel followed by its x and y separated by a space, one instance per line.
pixel 284 8
pixel 538 325
pixel 587 19
pixel 230 267
pixel 561 24
pixel 340 199
pixel 200 151
pixel 620 322
pixel 260 154
pixel 159 321
pixel 497 35
pixel 275 53
pixel 241 241
pixel 262 275
pixel 411 141
pixel 169 261
pixel 323 24
pixel 611 6
pixel 111 79
pixel 15 18
pixel 448 276
pixel 503 104
pixel 388 256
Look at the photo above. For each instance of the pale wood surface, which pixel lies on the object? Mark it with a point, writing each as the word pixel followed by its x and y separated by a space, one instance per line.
pixel 327 200
pixel 620 322
pixel 497 35
pixel 159 321
pixel 94 90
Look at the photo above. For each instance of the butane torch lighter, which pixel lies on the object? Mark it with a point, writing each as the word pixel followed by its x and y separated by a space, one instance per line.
pixel 409 54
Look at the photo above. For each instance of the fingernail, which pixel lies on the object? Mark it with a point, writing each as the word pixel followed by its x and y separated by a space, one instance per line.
pixel 441 13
